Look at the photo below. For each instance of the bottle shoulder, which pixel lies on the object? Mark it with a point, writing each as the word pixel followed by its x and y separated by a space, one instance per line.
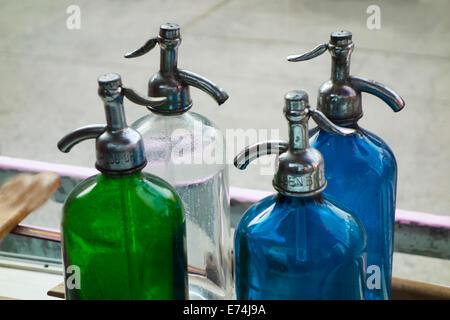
pixel 143 190
pixel 376 140
pixel 322 218
pixel 364 147
pixel 165 189
pixel 189 120
pixel 182 148
pixel 83 188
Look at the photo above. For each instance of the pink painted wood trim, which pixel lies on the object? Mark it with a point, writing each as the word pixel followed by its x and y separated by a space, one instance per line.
pixel 422 219
pixel 401 216
pixel 7 163
pixel 238 194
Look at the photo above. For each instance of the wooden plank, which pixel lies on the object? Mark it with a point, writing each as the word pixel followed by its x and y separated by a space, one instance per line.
pixel 403 289
pixel 23 194
pixel 57 291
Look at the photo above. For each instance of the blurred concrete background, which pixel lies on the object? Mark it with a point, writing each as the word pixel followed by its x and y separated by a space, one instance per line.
pixel 48 77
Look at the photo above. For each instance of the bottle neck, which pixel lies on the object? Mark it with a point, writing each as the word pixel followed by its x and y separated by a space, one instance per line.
pixel 298 136
pixel 340 67
pixel 115 115
pixel 169 58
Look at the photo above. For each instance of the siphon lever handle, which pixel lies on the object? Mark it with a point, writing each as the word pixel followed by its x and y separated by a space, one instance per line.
pixel 317 51
pixel 324 123
pixel 203 84
pixel 149 45
pixel 137 98
pixel 250 153
pixel 76 136
pixel 392 99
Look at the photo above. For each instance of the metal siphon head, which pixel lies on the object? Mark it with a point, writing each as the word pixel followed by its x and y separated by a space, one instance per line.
pixel 300 167
pixel 170 81
pixel 300 170
pixel 339 97
pixel 119 148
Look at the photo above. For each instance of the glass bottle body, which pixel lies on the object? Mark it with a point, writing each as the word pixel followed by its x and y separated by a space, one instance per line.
pixel 362 172
pixel 124 238
pixel 299 248
pixel 188 151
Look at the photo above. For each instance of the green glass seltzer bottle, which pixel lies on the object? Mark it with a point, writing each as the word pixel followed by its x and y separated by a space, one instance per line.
pixel 123 231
